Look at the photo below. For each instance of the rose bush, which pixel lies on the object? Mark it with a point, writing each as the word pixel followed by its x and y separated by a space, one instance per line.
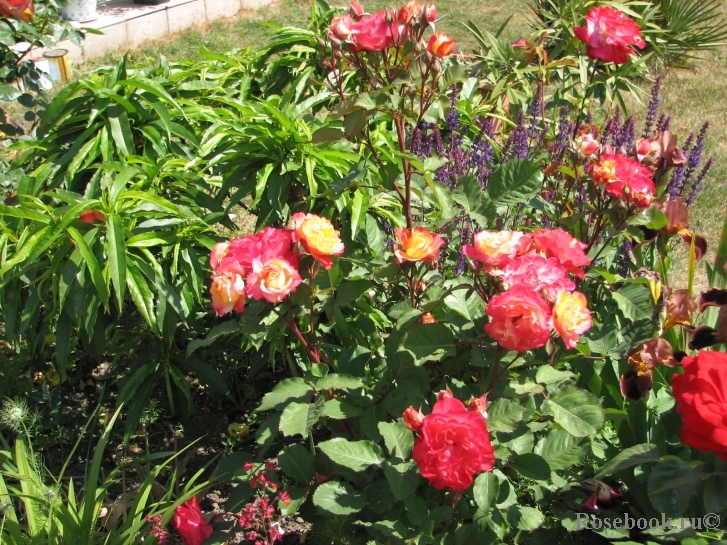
pixel 406 242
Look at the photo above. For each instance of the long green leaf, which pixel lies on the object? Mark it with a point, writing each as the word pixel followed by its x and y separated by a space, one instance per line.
pixel 92 264
pixel 116 250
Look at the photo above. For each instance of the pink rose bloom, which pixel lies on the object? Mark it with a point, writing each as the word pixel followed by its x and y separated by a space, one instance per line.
pixel 272 279
pixel 374 33
pixel 539 273
pixel 497 248
pixel 562 246
pixel 268 243
pixel 228 288
pixel 571 317
pixel 520 319
pixel 610 35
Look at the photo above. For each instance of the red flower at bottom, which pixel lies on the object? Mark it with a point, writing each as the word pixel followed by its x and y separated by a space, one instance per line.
pixel 189 522
pixel 701 396
pixel 453 446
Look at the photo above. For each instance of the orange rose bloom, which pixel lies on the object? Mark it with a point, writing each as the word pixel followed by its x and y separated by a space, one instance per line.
pixel 497 248
pixel 416 244
pixel 571 317
pixel 441 45
pixel 317 236
pixel 272 280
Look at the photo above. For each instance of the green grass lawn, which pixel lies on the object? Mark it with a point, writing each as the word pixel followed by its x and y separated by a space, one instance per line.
pixel 692 96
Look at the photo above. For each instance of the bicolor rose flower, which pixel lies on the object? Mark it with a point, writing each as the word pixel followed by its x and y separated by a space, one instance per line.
pixel 228 288
pixel 701 396
pixel 453 445
pixel 190 524
pixel 541 274
pixel 374 32
pixel 562 246
pixel 341 27
pixel 520 319
pixel 571 317
pixel 317 236
pixel 272 279
pixel 624 177
pixel 610 35
pixel 218 253
pixel 497 248
pixel 408 11
pixel 441 45
pixel 416 244
pixel 268 243
pixel 21 9
pixel 92 216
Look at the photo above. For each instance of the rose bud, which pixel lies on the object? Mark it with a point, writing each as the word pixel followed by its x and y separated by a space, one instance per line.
pixel 429 13
pixel 445 394
pixel 478 404
pixel 413 419
pixel 427 318
pixel 356 10
pixel 91 216
pixel 408 11
pixel 591 503
pixel 441 45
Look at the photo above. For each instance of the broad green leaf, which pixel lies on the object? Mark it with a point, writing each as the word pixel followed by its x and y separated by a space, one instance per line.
pixel 485 490
pixel 634 300
pixel 297 462
pixel 429 342
pixel 504 415
pixel 403 478
pixel 416 511
pixel 375 237
pixel 715 499
pixel 577 411
pixel 349 290
pixel 470 308
pixel 525 518
pixel 398 438
pixel 116 251
pixel 207 375
pixel 549 375
pixel 632 456
pixel 24 213
pixel 121 130
pixel 298 418
pixel 339 382
pixel 531 466
pixel 560 449
pixel 355 455
pixel 515 182
pixel 674 501
pixel 341 409
pixel 338 498
pixel 286 390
